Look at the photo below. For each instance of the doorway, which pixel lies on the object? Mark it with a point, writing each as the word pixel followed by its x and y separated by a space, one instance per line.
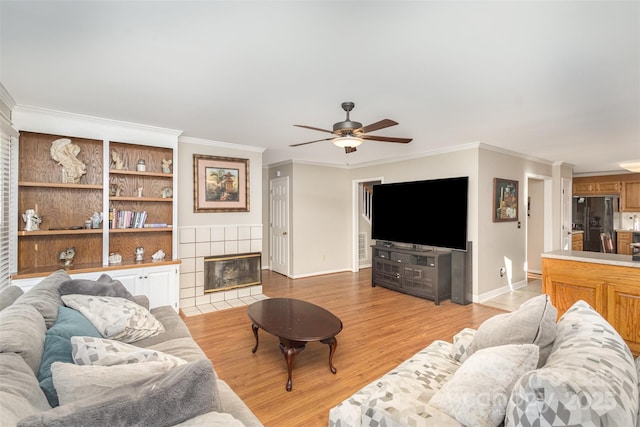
pixel 539 223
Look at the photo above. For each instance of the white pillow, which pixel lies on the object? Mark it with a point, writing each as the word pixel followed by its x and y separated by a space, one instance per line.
pixel 116 318
pixel 478 393
pixel 105 352
pixel 76 382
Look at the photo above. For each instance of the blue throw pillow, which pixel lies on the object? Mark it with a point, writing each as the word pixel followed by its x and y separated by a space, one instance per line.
pixel 57 346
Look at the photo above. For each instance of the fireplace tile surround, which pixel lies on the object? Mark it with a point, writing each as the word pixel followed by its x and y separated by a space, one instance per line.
pixel 196 243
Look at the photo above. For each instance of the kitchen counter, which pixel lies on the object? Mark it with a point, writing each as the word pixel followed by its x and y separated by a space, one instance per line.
pixel 610 283
pixel 593 257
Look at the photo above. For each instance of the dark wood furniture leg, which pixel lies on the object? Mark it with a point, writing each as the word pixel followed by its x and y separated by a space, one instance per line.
pixel 255 328
pixel 289 350
pixel 333 344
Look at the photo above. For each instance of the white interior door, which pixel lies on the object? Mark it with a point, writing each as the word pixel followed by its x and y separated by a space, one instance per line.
pixel 279 218
pixel 566 213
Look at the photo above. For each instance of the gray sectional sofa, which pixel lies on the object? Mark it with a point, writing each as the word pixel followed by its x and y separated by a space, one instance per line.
pixel 176 385
pixel 520 369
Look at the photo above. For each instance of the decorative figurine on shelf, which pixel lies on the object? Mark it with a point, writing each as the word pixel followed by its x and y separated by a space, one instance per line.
pixel 141 166
pixel 158 256
pixel 96 220
pixel 64 152
pixel 118 164
pixel 139 191
pixel 115 258
pixel 167 192
pixel 166 165
pixel 67 255
pixel 115 189
pixel 139 254
pixel 31 220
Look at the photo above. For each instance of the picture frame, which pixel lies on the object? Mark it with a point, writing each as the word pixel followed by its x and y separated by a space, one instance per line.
pixel 220 184
pixel 505 200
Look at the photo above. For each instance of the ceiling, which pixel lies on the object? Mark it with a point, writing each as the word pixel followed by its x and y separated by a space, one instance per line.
pixel 553 80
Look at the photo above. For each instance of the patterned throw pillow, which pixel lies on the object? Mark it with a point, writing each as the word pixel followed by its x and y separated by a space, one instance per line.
pixel 461 343
pixel 116 318
pixel 478 392
pixel 105 352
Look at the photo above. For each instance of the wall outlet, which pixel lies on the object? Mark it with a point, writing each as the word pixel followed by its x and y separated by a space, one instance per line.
pixel 502 271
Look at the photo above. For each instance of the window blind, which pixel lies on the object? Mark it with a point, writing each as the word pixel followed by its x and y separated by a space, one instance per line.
pixel 8 198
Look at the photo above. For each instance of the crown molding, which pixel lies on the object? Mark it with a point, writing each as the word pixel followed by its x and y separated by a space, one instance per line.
pixel 220 144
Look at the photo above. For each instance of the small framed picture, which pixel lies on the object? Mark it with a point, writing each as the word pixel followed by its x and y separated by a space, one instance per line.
pixel 220 184
pixel 505 200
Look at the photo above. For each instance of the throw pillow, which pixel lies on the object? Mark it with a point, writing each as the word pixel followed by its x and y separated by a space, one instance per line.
pixel 461 342
pixel 75 382
pixel 57 346
pixel 22 331
pixel 116 318
pixel 533 323
pixel 104 286
pixel 478 392
pixel 589 378
pixel 164 400
pixel 45 296
pixel 105 352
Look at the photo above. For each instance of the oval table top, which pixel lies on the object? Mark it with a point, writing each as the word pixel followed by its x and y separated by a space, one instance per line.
pixel 294 319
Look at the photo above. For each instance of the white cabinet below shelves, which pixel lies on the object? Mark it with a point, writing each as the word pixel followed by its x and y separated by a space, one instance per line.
pixel 160 284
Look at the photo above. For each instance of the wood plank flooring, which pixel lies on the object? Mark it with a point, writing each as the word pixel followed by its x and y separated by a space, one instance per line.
pixel 381 328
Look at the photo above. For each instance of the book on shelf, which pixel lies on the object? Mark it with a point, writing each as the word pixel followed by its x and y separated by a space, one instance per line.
pixel 126 219
pixel 162 225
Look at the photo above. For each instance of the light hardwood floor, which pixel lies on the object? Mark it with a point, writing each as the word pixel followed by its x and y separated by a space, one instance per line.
pixel 381 328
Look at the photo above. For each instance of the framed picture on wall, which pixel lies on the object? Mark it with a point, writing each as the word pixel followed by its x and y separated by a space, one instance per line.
pixel 220 184
pixel 505 200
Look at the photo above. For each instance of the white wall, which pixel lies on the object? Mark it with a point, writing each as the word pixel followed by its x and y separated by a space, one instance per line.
pixel 535 225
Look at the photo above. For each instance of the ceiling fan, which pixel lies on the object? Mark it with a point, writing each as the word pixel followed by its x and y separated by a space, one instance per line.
pixel 349 135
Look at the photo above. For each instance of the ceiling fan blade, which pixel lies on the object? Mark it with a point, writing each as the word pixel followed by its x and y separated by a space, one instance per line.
pixel 312 128
pixel 310 142
pixel 378 125
pixel 350 149
pixel 387 139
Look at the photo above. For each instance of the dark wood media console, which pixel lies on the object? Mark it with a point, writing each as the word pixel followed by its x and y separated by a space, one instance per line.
pixel 425 274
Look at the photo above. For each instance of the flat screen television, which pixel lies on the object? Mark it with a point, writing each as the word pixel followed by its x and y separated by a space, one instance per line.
pixel 427 213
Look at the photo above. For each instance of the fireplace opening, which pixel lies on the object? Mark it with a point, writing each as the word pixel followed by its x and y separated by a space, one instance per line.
pixel 226 272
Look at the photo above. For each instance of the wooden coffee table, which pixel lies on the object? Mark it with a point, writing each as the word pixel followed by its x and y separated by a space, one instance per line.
pixel 295 323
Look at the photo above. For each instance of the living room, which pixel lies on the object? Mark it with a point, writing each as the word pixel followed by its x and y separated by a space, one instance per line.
pixel 513 130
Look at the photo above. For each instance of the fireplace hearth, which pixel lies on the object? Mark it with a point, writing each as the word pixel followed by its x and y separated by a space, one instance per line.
pixel 226 272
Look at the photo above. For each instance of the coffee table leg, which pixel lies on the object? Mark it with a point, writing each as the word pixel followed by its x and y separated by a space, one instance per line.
pixel 255 328
pixel 290 349
pixel 333 344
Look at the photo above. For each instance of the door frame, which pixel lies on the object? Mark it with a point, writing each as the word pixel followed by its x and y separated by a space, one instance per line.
pixel 355 220
pixel 287 265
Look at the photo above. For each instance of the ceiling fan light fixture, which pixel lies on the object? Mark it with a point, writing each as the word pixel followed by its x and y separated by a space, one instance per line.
pixel 346 141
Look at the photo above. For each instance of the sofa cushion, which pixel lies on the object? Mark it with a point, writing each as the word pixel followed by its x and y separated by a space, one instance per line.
pixel 174 327
pixel 57 346
pixel 116 318
pixel 104 286
pixel 20 393
pixel 165 400
pixel 9 295
pixel 589 378
pixel 105 352
pixel 533 323
pixel 45 296
pixel 429 369
pixel 461 343
pixel 478 392
pixel 22 331
pixel 75 382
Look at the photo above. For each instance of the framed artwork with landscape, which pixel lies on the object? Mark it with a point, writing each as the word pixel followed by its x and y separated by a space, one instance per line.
pixel 505 200
pixel 220 184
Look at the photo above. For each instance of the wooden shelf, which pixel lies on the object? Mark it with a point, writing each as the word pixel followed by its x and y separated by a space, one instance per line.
pixel 127 172
pixel 141 199
pixel 88 268
pixel 139 230
pixel 59 232
pixel 59 185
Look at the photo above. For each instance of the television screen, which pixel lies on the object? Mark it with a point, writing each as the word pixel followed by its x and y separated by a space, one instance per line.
pixel 429 213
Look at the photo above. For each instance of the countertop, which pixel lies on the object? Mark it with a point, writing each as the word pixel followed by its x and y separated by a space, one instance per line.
pixel 577 232
pixel 593 257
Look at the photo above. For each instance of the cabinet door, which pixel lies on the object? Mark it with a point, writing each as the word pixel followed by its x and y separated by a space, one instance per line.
pixel 630 196
pixel 612 187
pixel 132 279
pixel 581 188
pixel 161 285
pixel 565 291
pixel 623 312
pixel 624 242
